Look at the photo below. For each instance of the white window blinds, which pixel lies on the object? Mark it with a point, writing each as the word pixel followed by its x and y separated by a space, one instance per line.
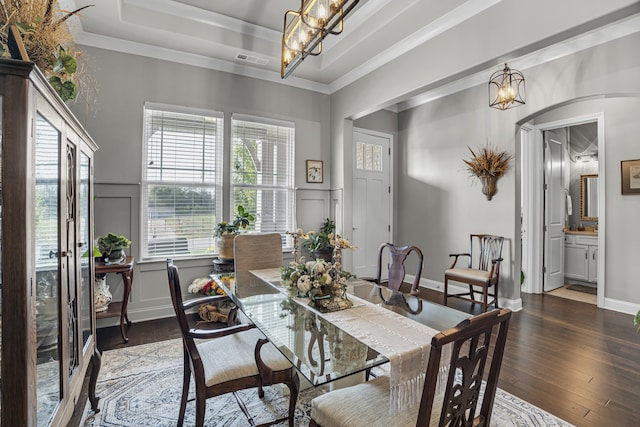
pixel 262 171
pixel 182 180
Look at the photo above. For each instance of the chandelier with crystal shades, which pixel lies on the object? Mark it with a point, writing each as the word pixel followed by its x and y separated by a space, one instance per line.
pixel 305 29
pixel 506 89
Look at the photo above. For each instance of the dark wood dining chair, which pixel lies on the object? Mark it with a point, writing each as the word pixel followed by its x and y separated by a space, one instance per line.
pixel 232 358
pixel 482 270
pixel 395 269
pixel 367 404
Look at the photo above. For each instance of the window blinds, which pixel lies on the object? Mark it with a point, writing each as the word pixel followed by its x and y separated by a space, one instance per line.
pixel 182 180
pixel 262 171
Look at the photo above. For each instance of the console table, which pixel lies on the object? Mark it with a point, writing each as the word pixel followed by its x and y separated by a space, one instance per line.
pixel 118 308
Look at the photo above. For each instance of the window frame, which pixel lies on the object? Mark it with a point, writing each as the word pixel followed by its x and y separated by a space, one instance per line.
pixel 217 186
pixel 283 190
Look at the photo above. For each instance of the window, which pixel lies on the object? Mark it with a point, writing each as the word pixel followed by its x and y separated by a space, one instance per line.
pixel 369 157
pixel 182 180
pixel 262 172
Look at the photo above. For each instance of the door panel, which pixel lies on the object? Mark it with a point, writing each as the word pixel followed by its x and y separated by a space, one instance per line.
pixel 371 200
pixel 554 210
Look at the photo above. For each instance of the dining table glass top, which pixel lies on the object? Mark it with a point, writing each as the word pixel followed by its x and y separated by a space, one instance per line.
pixel 321 351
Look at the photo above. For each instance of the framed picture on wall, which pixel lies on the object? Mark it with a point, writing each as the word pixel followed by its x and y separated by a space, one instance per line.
pixel 630 170
pixel 314 171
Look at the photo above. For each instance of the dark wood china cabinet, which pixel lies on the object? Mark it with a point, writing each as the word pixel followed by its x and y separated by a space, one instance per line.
pixel 46 288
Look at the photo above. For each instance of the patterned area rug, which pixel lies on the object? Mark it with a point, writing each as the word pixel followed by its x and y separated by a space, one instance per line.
pixel 141 385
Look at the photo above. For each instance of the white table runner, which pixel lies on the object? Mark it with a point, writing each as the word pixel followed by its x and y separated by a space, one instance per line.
pixel 405 342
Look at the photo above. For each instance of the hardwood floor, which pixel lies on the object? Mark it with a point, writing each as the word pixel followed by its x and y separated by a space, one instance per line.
pixel 570 358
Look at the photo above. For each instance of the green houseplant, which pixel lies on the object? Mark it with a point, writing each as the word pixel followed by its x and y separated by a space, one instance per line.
pixel 225 232
pixel 112 246
pixel 319 243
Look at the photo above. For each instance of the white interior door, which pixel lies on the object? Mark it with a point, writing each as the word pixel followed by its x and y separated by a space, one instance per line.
pixel 371 199
pixel 554 202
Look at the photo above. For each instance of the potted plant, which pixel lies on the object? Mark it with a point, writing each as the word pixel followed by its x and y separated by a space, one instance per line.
pixel 112 246
pixel 319 244
pixel 225 232
pixel 488 164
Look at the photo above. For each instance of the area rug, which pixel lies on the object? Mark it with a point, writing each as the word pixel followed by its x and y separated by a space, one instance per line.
pixel 140 386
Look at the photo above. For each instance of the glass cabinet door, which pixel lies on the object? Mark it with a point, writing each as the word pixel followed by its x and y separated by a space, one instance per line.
pixel 47 265
pixel 86 247
pixel 1 239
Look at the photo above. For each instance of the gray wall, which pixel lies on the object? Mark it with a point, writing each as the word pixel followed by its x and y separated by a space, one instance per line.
pixel 438 205
pixel 115 122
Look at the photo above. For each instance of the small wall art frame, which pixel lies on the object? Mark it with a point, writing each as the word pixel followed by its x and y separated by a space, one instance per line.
pixel 630 176
pixel 314 171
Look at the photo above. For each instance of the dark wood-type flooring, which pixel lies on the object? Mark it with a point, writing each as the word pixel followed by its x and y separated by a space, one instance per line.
pixel 569 358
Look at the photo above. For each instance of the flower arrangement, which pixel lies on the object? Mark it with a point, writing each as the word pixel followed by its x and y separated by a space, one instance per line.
pixel 217 311
pixel 488 161
pixel 318 280
pixel 206 286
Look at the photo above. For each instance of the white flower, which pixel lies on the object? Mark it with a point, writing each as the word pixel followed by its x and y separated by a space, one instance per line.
pixel 326 278
pixel 318 267
pixel 197 284
pixel 309 265
pixel 304 284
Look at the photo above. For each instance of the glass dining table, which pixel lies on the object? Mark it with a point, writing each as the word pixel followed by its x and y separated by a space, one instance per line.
pixel 320 350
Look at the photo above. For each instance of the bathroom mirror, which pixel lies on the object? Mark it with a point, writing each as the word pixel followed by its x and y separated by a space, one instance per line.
pixel 589 197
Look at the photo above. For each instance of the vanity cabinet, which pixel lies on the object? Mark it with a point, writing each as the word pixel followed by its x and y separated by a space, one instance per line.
pixel 581 257
pixel 47 268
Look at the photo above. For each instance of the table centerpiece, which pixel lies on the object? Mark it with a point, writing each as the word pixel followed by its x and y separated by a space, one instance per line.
pixel 323 282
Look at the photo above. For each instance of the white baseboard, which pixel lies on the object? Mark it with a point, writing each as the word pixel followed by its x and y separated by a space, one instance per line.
pixel 621 306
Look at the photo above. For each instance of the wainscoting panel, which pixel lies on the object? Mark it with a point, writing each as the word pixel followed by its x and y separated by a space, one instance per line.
pixel 312 208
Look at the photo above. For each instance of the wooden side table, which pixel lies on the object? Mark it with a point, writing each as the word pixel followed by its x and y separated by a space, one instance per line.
pixel 118 308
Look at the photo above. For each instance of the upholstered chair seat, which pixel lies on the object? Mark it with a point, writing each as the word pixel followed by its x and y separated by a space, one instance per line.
pixel 360 406
pixel 232 357
pixel 469 274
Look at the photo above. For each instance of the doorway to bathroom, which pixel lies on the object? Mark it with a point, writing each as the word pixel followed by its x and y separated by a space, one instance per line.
pixel 563 244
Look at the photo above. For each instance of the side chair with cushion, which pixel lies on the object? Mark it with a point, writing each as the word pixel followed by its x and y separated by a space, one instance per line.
pixel 367 404
pixel 482 270
pixel 396 270
pixel 232 358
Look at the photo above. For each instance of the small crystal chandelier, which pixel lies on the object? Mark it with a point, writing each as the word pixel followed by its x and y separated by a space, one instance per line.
pixel 305 29
pixel 506 89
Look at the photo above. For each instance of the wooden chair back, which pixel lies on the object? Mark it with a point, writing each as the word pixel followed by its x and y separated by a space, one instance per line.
pixel 178 306
pixel 486 248
pixel 471 349
pixel 396 270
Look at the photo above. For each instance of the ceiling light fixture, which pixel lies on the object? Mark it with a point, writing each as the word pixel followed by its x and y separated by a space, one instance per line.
pixel 305 29
pixel 506 89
